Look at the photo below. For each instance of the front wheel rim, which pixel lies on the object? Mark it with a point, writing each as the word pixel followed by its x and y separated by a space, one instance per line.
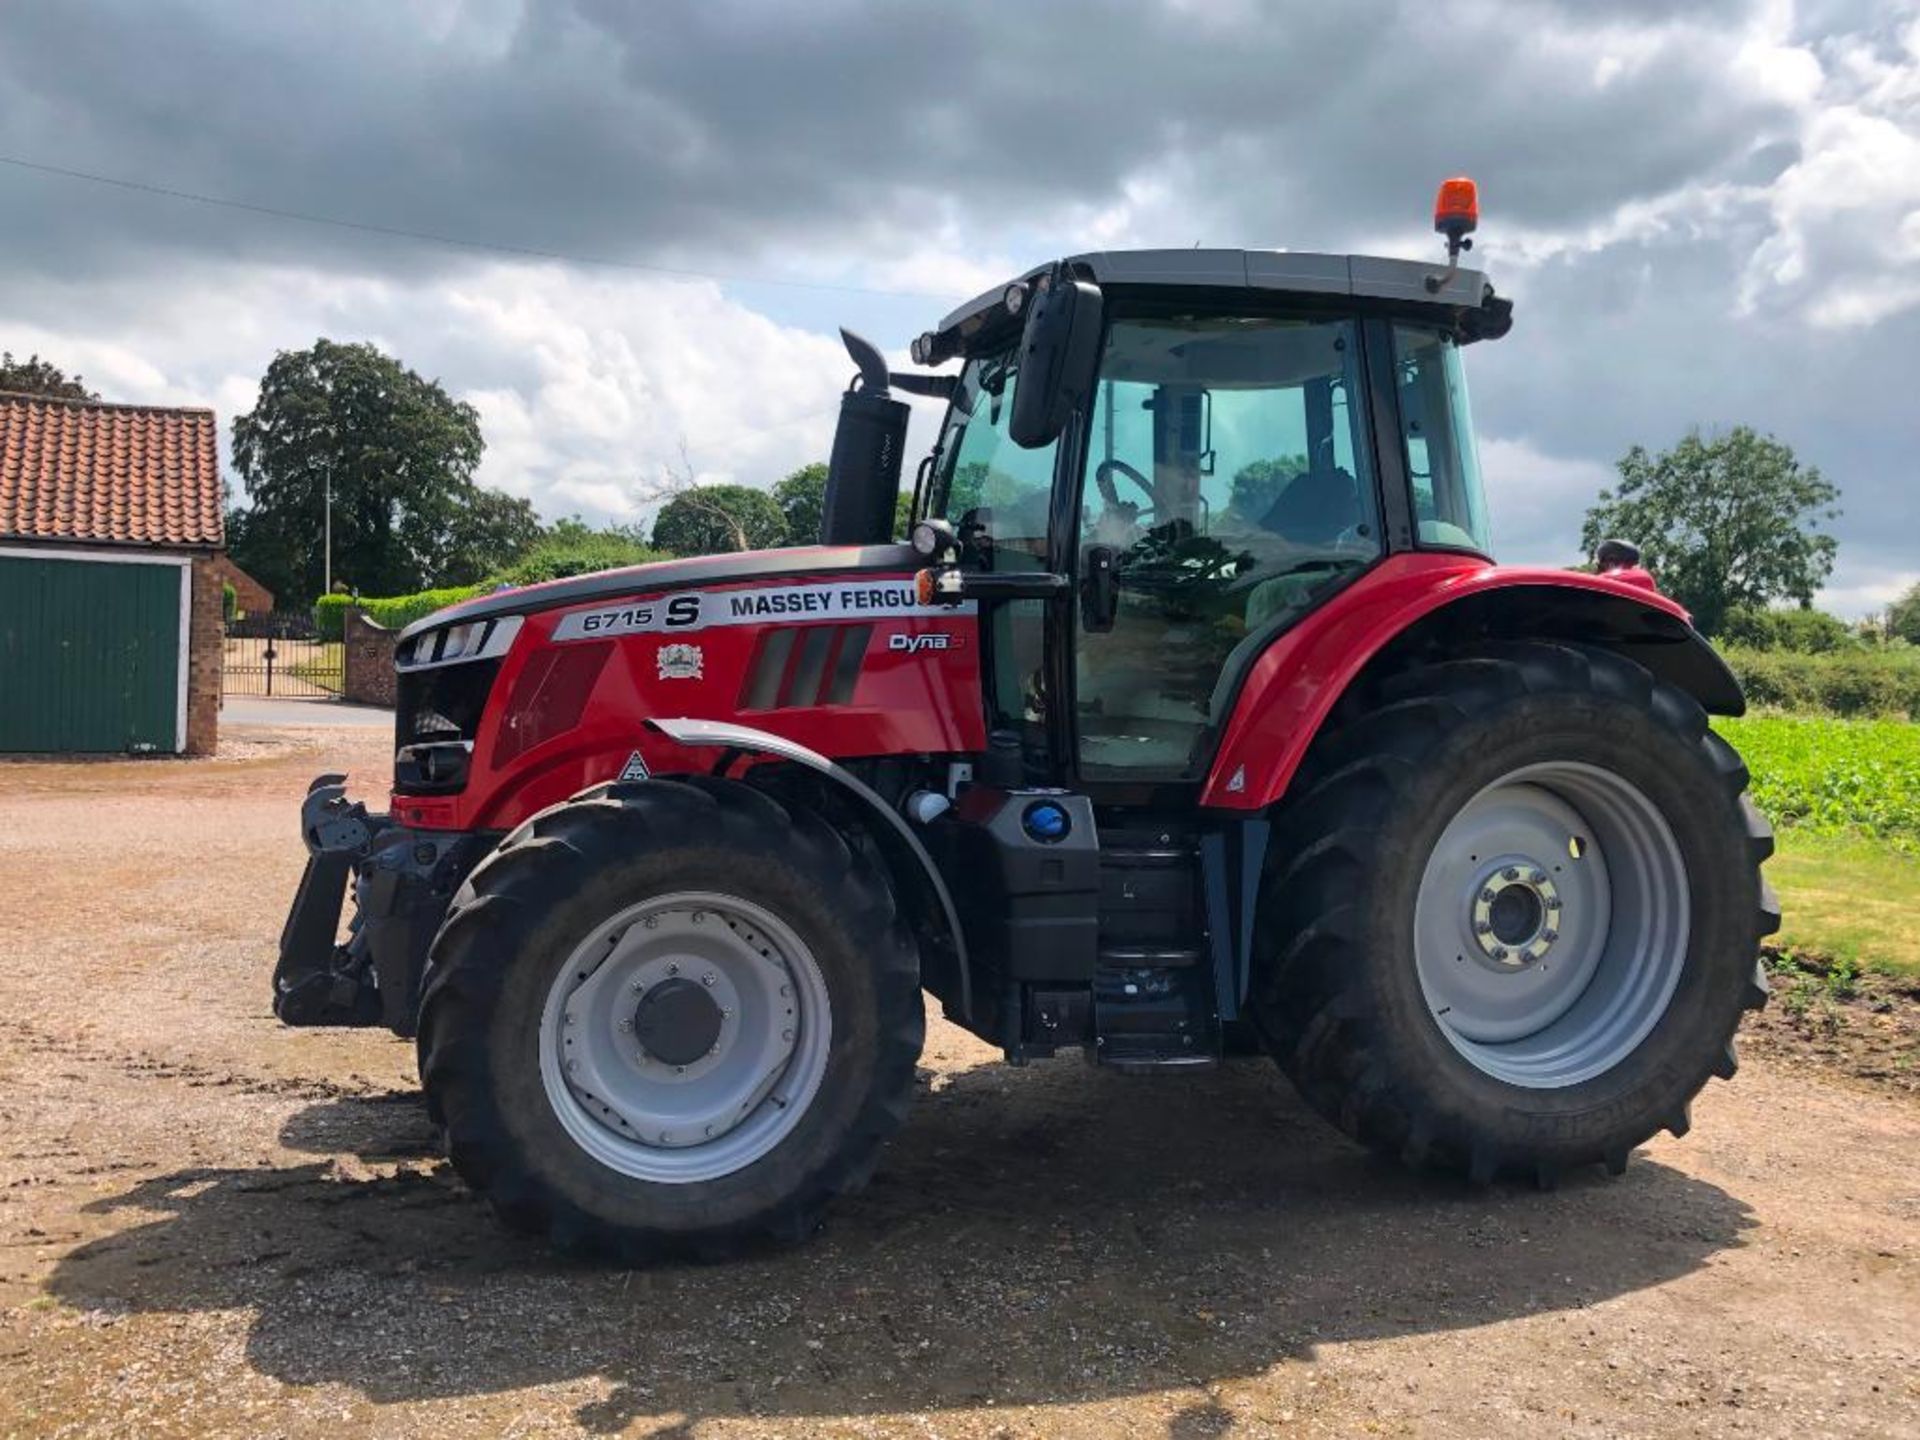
pixel 685 1037
pixel 1552 924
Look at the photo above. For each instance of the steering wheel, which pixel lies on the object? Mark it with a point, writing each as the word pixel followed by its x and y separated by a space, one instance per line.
pixel 1103 481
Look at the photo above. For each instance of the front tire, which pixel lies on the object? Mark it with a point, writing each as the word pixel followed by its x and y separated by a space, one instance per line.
pixel 1511 915
pixel 674 1015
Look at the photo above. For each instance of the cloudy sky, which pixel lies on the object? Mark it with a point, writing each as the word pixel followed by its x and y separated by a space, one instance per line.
pixel 1705 220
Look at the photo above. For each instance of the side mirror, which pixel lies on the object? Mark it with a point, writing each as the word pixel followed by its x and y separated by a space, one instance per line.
pixel 1059 352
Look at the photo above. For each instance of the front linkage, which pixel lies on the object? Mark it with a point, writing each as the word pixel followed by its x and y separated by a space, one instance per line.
pixel 403 881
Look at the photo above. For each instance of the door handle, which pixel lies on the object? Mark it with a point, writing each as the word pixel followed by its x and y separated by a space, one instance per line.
pixel 1099 588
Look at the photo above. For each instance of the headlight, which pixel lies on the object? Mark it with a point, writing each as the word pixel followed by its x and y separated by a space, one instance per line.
pixel 935 540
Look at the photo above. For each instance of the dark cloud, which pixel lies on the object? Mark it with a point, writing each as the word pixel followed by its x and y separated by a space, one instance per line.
pixel 1642 342
pixel 1700 208
pixel 729 132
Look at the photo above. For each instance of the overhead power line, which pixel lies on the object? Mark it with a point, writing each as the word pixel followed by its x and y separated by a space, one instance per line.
pixel 396 232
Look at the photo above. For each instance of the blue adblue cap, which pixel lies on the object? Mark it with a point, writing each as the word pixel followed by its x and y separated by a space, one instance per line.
pixel 1046 821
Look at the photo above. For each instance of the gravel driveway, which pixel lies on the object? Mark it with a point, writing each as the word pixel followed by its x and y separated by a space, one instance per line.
pixel 210 1225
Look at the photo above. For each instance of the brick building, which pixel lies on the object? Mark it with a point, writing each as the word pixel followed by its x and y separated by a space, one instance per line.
pixel 250 597
pixel 110 530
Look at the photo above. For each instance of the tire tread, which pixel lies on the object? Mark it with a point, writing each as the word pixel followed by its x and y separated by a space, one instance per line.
pixel 550 858
pixel 1305 1001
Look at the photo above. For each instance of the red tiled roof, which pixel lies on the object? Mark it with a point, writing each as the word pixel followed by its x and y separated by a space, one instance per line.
pixel 127 474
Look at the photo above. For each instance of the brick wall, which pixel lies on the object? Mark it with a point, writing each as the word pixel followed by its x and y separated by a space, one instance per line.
pixel 206 645
pixel 369 678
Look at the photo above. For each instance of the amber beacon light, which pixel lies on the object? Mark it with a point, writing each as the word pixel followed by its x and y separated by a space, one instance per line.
pixel 1456 213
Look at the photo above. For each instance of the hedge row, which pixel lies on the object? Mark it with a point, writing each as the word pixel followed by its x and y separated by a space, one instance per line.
pixel 1810 632
pixel 1847 683
pixel 554 559
pixel 396 612
pixel 560 559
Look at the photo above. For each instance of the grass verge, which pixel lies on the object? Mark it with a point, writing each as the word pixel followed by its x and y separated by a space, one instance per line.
pixel 1850 900
pixel 1844 797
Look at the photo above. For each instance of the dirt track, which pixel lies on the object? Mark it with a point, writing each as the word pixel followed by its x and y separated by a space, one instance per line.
pixel 211 1225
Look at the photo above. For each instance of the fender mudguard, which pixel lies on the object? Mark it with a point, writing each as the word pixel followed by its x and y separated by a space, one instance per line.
pixel 902 848
pixel 1443 601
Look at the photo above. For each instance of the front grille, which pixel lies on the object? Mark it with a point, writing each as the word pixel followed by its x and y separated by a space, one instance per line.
pixel 436 716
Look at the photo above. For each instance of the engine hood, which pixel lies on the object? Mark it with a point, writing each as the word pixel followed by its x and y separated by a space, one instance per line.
pixel 692 573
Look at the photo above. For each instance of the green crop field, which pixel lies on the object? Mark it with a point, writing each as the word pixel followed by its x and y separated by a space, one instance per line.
pixel 1834 777
pixel 1844 797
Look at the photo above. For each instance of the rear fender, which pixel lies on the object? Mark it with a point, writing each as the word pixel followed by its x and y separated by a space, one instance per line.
pixel 1426 607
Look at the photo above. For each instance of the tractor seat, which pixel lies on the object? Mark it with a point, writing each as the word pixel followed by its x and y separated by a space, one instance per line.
pixel 1315 507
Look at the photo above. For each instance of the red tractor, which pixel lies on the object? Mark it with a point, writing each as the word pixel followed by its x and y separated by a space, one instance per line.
pixel 1195 721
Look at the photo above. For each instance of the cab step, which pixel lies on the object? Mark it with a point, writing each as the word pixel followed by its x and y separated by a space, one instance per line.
pixel 1153 992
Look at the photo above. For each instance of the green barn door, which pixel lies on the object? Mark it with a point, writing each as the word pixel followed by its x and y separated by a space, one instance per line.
pixel 89 655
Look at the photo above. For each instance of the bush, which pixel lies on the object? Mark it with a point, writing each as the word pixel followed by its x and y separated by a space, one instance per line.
pixel 330 615
pixel 399 611
pixel 396 612
pixel 1804 632
pixel 560 556
pixel 1846 683
pixel 229 601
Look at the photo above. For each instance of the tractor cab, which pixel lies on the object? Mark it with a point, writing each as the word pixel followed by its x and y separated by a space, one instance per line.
pixel 1240 435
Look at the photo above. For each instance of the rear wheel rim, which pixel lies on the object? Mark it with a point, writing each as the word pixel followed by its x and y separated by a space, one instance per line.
pixel 1551 924
pixel 685 1037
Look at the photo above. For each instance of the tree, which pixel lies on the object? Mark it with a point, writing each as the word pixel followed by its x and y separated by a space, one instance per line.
pixel 488 533
pixel 1903 616
pixel 572 547
pixel 34 376
pixel 713 519
pixel 1796 628
pixel 1722 522
pixel 1257 485
pixel 399 454
pixel 802 498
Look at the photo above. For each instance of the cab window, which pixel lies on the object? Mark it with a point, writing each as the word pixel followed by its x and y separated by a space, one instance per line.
pixel 980 469
pixel 1436 433
pixel 980 473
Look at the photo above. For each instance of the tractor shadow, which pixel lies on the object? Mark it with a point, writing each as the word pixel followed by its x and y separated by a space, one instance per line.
pixel 1033 1237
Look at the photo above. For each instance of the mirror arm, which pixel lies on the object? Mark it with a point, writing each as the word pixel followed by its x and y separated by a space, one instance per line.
pixel 950 585
pixel 937 387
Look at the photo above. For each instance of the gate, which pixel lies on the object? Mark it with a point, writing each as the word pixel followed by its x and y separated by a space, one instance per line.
pixel 283 655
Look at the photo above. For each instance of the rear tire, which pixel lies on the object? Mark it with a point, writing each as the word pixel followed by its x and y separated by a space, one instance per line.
pixel 756 953
pixel 1412 975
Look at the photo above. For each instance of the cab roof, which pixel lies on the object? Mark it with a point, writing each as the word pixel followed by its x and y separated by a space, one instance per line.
pixel 1371 277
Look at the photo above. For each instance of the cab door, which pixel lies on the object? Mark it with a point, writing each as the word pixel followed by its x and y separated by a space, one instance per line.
pixel 1227 490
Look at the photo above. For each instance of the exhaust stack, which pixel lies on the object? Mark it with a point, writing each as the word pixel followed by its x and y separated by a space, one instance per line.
pixel 869 445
